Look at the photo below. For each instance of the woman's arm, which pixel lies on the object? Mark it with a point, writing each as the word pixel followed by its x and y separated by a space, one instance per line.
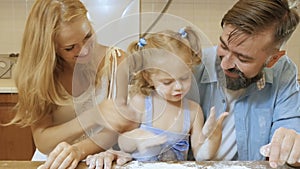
pixel 139 139
pixel 67 156
pixel 46 135
pixel 128 140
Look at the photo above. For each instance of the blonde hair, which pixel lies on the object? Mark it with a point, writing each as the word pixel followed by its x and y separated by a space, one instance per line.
pixel 174 42
pixel 36 72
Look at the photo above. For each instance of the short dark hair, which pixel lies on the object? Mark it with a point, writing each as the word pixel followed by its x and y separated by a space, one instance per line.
pixel 254 16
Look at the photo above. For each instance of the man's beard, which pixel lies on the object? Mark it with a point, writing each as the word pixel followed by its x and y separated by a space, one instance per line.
pixel 242 81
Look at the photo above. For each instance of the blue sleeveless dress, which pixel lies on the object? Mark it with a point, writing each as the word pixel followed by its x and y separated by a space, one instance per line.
pixel 177 144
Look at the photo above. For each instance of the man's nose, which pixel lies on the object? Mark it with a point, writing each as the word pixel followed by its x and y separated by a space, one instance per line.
pixel 228 61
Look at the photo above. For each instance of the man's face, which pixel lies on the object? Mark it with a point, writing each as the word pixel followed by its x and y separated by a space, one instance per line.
pixel 243 57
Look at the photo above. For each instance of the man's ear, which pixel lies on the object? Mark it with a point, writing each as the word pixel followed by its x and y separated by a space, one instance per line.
pixel 274 58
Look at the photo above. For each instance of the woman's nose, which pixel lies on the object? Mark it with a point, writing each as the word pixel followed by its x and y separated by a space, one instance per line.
pixel 82 49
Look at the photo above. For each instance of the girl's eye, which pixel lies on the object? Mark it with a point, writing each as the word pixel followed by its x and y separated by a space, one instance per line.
pixel 185 78
pixel 167 83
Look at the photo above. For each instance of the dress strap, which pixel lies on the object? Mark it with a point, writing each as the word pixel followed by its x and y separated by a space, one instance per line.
pixel 187 117
pixel 113 53
pixel 148 111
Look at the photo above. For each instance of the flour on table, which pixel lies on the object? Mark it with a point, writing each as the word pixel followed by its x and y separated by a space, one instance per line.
pixel 160 165
pixel 166 165
pixel 227 167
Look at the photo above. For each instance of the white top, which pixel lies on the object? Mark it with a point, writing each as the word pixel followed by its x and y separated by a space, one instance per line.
pixel 89 99
pixel 228 147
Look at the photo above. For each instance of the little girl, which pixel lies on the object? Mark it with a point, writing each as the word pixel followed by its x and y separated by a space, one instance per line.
pixel 168 119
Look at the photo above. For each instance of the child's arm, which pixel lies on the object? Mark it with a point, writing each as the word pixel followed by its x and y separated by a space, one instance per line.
pixel 206 139
pixel 197 137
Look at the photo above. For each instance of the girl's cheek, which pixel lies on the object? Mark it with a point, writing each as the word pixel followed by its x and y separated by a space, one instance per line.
pixel 160 90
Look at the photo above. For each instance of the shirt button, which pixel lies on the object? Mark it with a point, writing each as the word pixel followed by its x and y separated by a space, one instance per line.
pixel 223 101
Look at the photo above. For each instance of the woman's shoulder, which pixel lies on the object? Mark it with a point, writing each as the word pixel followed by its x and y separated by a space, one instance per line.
pixel 116 52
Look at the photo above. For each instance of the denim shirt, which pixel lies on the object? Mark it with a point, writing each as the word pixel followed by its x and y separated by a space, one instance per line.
pixel 257 113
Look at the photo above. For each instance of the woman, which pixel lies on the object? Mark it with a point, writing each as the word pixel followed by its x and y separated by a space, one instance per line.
pixel 61 65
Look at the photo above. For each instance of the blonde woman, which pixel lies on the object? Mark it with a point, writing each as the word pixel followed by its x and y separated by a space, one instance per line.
pixel 62 71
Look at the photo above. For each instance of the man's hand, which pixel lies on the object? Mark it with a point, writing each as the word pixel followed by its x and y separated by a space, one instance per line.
pixel 284 148
pixel 106 159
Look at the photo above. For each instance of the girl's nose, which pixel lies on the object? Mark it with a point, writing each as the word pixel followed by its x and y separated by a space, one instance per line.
pixel 178 85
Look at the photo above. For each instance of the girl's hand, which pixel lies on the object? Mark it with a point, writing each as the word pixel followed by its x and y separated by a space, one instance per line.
pixel 63 156
pixel 212 130
pixel 105 159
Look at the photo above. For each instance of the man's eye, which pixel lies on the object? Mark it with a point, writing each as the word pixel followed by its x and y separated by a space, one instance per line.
pixel 223 47
pixel 241 59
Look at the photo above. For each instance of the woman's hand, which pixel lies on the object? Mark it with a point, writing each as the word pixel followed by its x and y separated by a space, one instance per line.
pixel 106 159
pixel 63 156
pixel 139 139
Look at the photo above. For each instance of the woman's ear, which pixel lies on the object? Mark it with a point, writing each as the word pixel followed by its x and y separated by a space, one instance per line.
pixel 274 58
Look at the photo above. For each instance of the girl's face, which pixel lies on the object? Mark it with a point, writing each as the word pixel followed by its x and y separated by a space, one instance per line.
pixel 169 87
pixel 74 41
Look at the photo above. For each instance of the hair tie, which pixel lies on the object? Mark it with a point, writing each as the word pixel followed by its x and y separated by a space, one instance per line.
pixel 182 33
pixel 142 42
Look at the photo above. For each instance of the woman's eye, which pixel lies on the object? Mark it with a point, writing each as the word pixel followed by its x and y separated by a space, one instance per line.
pixel 69 48
pixel 88 36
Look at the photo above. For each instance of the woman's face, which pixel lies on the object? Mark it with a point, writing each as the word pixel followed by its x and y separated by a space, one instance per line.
pixel 74 41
